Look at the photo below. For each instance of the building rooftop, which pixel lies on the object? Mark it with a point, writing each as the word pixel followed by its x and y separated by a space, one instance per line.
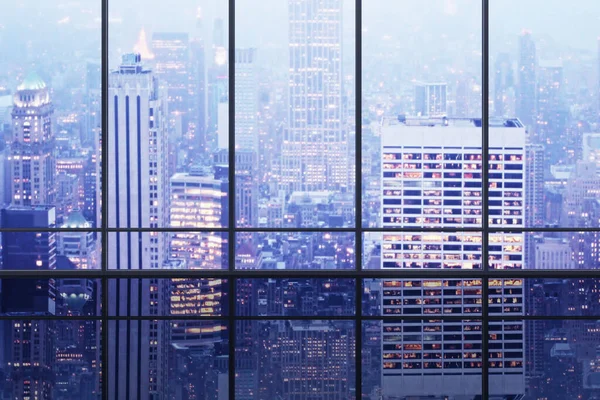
pixel 32 82
pixel 452 122
pixel 76 220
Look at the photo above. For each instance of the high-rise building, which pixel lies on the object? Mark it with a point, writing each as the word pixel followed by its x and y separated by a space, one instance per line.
pixel 246 185
pixel 198 201
pixel 79 247
pixel 30 355
pixel 598 89
pixel 526 93
pixel 197 92
pixel 314 153
pixel 92 112
pixel 217 84
pixel 316 357
pixel 32 162
pixel 534 182
pixel 246 188
pixel 553 253
pixel 171 67
pixel 138 198
pixel 246 100
pixel 591 148
pixel 431 177
pixel 550 118
pixel 503 85
pixel 431 99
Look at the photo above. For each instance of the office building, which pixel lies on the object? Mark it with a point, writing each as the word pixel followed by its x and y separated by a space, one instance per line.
pixel 431 178
pixel 314 153
pixel 503 86
pixel 526 93
pixel 591 148
pixel 138 197
pixel 431 99
pixel 217 84
pixel 246 100
pixel 198 120
pixel 171 66
pixel 198 201
pixel 29 343
pixel 80 248
pixel 32 161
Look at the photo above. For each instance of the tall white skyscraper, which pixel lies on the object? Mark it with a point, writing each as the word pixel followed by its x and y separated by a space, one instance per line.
pixel 246 100
pixel 137 197
pixel 315 146
pixel 32 161
pixel 432 177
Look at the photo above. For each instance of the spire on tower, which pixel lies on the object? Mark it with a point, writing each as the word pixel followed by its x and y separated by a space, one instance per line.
pixel 142 48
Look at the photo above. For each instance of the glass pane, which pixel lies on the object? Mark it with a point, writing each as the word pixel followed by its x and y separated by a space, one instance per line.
pixel 421 250
pixel 558 297
pixel 544 250
pixel 183 359
pixel 506 297
pixel 510 357
pixel 295 297
pixel 295 359
pixel 422 359
pixel 50 109
pixel 53 359
pixel 547 78
pixel 294 114
pixel 168 116
pixel 61 297
pixel 427 297
pixel 178 297
pixel 180 250
pixel 295 250
pixel 421 121
pixel 49 250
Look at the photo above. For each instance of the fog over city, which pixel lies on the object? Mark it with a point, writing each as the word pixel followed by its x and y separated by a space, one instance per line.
pixel 281 276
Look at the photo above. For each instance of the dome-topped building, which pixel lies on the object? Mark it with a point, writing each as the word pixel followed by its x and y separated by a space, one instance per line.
pixel 32 144
pixel 32 92
pixel 32 82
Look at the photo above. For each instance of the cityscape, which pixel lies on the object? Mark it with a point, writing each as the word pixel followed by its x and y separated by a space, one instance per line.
pixel 150 186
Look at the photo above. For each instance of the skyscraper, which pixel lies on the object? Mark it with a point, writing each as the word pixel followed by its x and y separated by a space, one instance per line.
pixel 171 67
pixel 198 201
pixel 197 92
pixel 431 99
pixel 431 177
pixel 503 85
pixel 138 197
pixel 32 162
pixel 314 154
pixel 80 248
pixel 550 116
pixel 526 87
pixel 246 100
pixel 30 355
pixel 217 84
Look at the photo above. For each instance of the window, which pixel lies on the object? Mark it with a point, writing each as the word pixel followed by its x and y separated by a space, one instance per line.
pixel 293 199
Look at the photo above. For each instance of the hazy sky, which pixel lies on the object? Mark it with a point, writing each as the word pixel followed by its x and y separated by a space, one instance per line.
pixel 61 25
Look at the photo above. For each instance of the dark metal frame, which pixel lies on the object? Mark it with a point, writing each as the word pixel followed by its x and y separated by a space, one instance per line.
pixel 105 274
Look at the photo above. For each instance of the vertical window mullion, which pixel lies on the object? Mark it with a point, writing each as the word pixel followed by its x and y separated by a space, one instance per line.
pixel 232 223
pixel 103 366
pixel 484 194
pixel 358 194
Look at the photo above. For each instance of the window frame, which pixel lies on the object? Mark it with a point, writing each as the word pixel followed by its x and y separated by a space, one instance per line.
pixel 358 274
